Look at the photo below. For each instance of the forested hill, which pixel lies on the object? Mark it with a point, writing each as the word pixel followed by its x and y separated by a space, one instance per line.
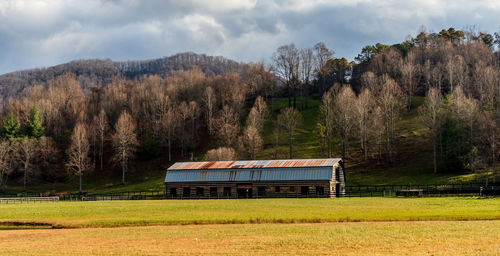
pixel 427 107
pixel 97 72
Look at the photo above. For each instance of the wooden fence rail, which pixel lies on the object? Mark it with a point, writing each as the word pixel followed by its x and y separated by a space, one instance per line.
pixel 465 189
pixel 13 200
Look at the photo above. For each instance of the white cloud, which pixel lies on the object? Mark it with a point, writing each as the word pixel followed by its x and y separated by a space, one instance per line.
pixel 48 32
pixel 218 6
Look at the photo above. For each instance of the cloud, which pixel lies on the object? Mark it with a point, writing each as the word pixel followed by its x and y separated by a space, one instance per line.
pixel 41 33
pixel 215 6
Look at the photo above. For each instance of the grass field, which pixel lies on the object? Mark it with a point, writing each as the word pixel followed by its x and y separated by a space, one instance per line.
pixel 365 238
pixel 230 211
pixel 343 226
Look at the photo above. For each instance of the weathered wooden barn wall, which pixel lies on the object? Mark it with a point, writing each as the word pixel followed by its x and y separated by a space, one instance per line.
pixel 256 189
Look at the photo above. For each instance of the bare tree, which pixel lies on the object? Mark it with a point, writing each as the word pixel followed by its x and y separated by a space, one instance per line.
pixel 221 154
pixel 390 100
pixel 456 70
pixel 328 118
pixel 209 102
pixel 238 92
pixel 78 152
pixel 102 126
pixel 193 116
pixel 450 71
pixel 437 76
pixel 461 73
pixel 93 140
pixel 70 99
pixel 258 114
pixel 490 83
pixel 5 161
pixel 427 74
pixel 345 116
pixel 116 96
pixel 184 113
pixel 286 61
pixel 377 130
pixel 148 100
pixel 27 151
pixel 322 54
pixel 408 71
pixel 252 141
pixel 369 81
pixel 290 119
pixel 307 66
pixel 466 109
pixel 124 141
pixel 431 116
pixel 169 124
pixel 227 125
pixel 364 107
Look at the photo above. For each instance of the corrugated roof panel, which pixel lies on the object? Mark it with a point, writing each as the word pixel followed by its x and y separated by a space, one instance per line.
pixel 273 163
pixel 249 164
pixel 203 166
pixel 260 163
pixel 220 165
pixel 300 163
pixel 314 162
pixel 271 174
pixel 254 164
pixel 193 165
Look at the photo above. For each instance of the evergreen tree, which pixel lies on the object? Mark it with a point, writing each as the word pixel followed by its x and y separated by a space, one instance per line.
pixel 34 127
pixel 10 126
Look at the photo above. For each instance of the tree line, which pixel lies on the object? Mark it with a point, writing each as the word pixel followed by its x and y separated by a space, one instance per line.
pixel 55 130
pixel 457 72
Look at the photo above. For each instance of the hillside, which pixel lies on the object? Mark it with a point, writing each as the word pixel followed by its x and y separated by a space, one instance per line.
pixel 96 72
pixel 414 160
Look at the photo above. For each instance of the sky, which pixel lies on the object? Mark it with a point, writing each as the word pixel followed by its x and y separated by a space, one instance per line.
pixel 41 33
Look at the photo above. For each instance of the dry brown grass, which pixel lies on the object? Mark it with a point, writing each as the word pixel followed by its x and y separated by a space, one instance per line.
pixel 365 238
pixel 238 211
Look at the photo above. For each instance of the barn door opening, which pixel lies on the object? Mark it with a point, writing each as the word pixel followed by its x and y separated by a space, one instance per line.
pixel 227 191
pixel 186 192
pixel 173 192
pixel 244 190
pixel 304 190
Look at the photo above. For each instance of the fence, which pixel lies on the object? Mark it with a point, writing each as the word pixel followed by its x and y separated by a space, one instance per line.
pixel 465 189
pixel 13 200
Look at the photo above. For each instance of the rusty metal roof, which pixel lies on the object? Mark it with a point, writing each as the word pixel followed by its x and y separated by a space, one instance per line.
pixel 252 164
pixel 250 175
pixel 252 170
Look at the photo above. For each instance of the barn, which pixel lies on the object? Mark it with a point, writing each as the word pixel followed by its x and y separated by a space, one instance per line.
pixel 256 179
